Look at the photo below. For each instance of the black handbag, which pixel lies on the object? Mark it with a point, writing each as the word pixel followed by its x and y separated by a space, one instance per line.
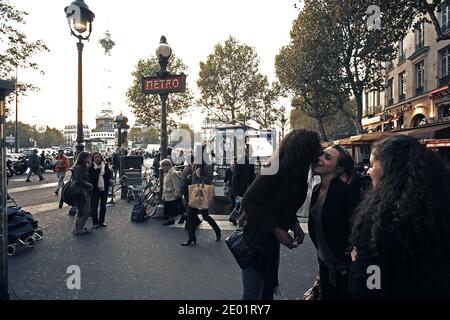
pixel 244 250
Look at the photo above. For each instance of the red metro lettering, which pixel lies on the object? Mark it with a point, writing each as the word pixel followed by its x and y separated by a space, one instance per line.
pixel 160 84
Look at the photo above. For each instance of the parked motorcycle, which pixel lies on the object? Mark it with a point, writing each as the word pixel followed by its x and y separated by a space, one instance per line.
pixel 19 167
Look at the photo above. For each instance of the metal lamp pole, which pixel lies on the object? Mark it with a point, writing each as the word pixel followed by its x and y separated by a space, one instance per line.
pixel 6 87
pixel 163 52
pixel 80 20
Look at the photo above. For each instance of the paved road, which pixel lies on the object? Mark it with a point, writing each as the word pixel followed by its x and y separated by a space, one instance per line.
pixel 134 261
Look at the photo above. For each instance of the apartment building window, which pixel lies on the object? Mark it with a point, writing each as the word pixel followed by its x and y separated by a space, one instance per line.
pixel 390 92
pixel 444 66
pixel 402 86
pixel 366 105
pixel 420 36
pixel 402 50
pixel 420 77
pixel 445 14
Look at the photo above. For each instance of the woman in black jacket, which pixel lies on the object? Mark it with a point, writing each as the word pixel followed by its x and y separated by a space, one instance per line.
pixel 331 210
pixel 100 177
pixel 82 188
pixel 270 205
pixel 401 235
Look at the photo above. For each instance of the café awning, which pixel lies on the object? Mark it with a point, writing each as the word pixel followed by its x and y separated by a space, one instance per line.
pixel 433 131
pixel 370 137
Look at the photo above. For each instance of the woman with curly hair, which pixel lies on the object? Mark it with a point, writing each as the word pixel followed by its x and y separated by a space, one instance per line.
pixel 270 205
pixel 401 235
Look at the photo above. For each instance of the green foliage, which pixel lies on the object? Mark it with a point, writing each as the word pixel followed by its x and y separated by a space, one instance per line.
pixel 147 107
pixel 45 139
pixel 232 88
pixel 152 136
pixel 16 49
pixel 345 55
pixel 49 138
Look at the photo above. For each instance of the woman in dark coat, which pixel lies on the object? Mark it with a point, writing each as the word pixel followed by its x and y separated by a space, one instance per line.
pixel 331 211
pixel 201 173
pixel 270 206
pixel 100 177
pixel 82 189
pixel 401 235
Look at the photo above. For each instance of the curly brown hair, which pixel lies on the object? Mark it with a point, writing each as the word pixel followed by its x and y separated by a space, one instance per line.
pixel 411 197
pixel 298 150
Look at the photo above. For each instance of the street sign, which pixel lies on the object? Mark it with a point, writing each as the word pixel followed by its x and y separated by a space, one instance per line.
pixel 167 84
pixel 10 139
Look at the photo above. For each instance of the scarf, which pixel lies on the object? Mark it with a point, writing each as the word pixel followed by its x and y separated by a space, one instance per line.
pixel 101 181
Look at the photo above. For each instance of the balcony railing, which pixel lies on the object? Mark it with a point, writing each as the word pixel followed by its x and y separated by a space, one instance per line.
pixel 444 81
pixel 401 97
pixel 419 91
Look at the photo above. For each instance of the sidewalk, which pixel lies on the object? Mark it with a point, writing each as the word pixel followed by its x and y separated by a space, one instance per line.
pixel 140 261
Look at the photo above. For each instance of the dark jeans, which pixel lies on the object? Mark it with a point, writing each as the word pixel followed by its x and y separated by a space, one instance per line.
pixel 96 197
pixel 255 288
pixel 232 202
pixel 192 221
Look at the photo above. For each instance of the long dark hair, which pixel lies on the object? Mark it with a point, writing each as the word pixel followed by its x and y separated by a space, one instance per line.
pixel 81 159
pixel 345 161
pixel 97 153
pixel 298 150
pixel 411 198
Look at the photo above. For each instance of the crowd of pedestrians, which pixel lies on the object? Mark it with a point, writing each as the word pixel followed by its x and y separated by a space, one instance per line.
pixel 395 220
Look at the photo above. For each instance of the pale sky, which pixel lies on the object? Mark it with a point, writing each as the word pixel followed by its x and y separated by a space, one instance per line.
pixel 192 28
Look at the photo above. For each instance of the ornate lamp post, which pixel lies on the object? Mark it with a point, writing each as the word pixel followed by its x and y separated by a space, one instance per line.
pixel 121 123
pixel 80 20
pixel 163 52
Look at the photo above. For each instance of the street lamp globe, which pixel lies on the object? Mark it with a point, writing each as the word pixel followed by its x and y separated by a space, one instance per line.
pixel 163 50
pixel 80 18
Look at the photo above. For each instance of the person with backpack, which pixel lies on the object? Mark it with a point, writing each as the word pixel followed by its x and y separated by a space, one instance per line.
pixel 101 178
pixel 171 191
pixel 34 163
pixel 61 168
pixel 81 190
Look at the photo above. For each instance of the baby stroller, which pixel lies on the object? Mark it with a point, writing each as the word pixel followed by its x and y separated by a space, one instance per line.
pixel 23 229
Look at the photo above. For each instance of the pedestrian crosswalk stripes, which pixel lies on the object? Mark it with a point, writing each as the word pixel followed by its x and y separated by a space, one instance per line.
pixel 222 220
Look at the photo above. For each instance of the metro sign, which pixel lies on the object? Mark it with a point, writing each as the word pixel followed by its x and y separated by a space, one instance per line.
pixel 166 84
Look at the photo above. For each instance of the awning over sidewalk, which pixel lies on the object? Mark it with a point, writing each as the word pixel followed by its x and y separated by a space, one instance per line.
pixel 370 137
pixel 434 131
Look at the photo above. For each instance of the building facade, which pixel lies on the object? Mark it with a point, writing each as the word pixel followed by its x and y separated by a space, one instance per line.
pixel 70 134
pixel 417 82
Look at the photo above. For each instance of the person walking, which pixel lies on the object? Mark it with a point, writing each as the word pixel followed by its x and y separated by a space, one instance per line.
pixel 243 176
pixel 101 178
pixel 270 205
pixel 401 232
pixel 116 162
pixel 34 163
pixel 82 189
pixel 186 177
pixel 202 174
pixel 171 191
pixel 331 210
pixel 61 168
